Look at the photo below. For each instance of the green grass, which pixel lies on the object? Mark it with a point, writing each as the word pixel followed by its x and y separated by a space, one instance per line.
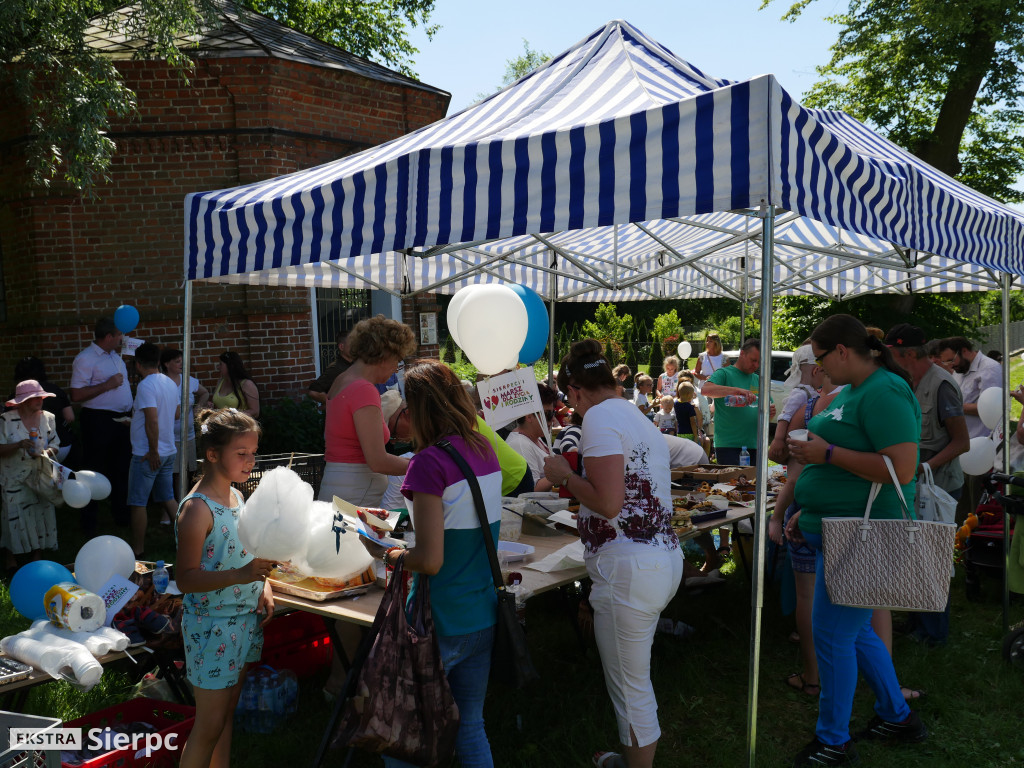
pixel 971 705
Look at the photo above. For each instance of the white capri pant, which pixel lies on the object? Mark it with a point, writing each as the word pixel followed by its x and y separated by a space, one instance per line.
pixel 355 483
pixel 630 591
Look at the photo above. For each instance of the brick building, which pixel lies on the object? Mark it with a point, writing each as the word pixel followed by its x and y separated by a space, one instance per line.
pixel 262 101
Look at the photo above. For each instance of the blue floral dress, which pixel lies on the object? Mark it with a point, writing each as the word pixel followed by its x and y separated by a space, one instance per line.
pixel 221 629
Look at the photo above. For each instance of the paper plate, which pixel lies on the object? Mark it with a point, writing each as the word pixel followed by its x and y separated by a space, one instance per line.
pixel 515 551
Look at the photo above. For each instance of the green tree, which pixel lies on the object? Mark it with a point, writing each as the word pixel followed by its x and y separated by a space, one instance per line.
pixel 608 327
pixel 944 80
pixel 70 91
pixel 521 65
pixel 666 325
pixel 654 362
pixel 991 306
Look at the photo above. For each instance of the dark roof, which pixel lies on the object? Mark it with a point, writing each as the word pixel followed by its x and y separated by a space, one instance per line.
pixel 241 32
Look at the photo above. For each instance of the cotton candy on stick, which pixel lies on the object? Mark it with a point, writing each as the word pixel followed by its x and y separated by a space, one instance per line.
pixel 333 553
pixel 275 521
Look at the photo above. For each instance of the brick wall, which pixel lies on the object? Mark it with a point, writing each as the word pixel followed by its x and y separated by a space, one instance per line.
pixel 68 260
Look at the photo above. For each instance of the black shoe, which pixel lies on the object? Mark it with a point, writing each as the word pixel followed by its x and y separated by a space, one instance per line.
pixel 817 753
pixel 910 731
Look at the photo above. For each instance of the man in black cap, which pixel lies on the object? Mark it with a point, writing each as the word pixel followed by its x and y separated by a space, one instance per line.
pixel 944 437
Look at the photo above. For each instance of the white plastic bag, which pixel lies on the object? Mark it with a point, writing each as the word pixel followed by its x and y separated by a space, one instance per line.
pixel 933 503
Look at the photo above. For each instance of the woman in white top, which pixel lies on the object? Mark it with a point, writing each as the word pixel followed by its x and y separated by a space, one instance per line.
pixel 631 553
pixel 711 359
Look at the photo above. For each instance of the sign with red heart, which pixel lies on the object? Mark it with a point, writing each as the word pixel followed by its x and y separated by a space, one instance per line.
pixel 509 396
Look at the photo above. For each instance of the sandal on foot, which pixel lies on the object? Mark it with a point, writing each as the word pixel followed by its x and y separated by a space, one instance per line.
pixel 911 694
pixel 797 683
pixel 609 760
pixel 725 551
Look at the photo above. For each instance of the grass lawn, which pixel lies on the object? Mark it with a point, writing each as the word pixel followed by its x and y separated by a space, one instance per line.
pixel 970 708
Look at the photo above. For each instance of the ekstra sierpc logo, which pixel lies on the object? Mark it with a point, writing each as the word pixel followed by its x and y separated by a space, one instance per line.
pixel 96 739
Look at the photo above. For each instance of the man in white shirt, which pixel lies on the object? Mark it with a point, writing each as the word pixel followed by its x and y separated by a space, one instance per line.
pixel 157 405
pixel 975 373
pixel 99 382
pixel 527 440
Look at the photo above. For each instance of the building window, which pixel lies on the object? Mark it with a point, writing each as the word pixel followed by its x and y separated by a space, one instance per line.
pixel 336 309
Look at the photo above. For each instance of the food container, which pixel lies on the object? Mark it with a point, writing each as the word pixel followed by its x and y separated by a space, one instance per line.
pixel 543 504
pixel 511 518
pixel 712 473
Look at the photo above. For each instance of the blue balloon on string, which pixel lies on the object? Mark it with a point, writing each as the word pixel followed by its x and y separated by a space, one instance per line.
pixel 31 583
pixel 537 328
pixel 126 317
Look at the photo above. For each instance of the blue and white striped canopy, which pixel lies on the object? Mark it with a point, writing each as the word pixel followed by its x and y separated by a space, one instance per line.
pixel 622 172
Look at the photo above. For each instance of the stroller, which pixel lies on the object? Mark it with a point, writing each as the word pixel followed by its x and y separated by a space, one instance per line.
pixel 984 554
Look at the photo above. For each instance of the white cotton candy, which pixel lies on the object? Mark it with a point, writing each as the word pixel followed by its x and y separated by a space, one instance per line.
pixel 322 558
pixel 275 521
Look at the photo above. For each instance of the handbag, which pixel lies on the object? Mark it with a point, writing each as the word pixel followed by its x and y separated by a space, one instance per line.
pixel 42 480
pixel 933 503
pixel 510 661
pixel 901 564
pixel 399 702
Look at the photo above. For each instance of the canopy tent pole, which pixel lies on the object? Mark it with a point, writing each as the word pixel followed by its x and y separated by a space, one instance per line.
pixel 1006 442
pixel 552 299
pixel 761 502
pixel 186 415
pixel 744 280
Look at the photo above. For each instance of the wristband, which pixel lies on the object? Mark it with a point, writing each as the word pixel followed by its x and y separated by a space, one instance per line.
pixel 565 481
pixel 387 552
pixel 828 453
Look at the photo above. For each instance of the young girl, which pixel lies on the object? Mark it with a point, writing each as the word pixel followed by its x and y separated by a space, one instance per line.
pixel 644 385
pixel 665 419
pixel 688 414
pixel 669 380
pixel 223 584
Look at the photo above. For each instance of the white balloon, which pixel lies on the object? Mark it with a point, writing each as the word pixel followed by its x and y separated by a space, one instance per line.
pixel 684 350
pixel 274 523
pixel 990 407
pixel 323 559
pixel 102 557
pixel 980 457
pixel 76 493
pixel 98 484
pixel 493 323
pixel 453 311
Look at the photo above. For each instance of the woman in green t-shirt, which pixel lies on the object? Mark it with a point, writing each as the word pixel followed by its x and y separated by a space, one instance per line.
pixel 876 415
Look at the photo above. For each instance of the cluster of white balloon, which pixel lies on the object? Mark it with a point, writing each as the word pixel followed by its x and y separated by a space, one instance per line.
pixel 86 486
pixel 498 326
pixel 982 454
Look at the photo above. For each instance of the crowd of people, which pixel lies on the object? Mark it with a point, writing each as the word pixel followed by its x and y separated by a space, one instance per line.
pixel 857 397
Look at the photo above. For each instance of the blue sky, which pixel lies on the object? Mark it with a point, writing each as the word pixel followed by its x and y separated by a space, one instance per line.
pixel 724 38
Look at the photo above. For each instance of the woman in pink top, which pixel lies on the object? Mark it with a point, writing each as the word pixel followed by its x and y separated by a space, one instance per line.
pixel 355 433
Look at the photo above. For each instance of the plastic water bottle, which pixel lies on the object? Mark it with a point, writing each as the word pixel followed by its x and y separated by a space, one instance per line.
pixel 735 400
pixel 246 705
pixel 160 577
pixel 265 712
pixel 744 457
pixel 288 693
pixel 33 435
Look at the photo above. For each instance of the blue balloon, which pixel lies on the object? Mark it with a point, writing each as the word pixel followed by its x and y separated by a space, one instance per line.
pixel 537 330
pixel 126 317
pixel 31 583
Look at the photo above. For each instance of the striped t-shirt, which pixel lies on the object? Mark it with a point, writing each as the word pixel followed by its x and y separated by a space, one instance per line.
pixel 462 592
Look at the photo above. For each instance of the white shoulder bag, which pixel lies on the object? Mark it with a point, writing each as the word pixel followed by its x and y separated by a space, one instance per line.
pixel 900 564
pixel 933 503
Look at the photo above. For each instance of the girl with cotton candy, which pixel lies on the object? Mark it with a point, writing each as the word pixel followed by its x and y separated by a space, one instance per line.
pixel 29 522
pixel 225 587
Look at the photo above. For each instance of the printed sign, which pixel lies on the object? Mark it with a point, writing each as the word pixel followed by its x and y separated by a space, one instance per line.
pixel 116 593
pixel 129 344
pixel 509 396
pixel 428 327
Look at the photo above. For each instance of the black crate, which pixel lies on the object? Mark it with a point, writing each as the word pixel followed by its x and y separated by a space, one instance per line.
pixel 308 466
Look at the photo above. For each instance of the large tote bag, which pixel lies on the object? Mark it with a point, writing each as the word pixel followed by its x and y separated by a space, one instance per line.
pixel 900 564
pixel 400 703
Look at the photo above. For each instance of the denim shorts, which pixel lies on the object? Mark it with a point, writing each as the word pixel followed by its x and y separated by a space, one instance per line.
pixel 142 480
pixel 801 555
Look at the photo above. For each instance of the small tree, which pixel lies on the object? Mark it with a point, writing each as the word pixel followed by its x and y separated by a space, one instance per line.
pixel 654 361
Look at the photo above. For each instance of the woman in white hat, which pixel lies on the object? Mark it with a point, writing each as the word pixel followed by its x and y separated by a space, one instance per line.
pixel 28 522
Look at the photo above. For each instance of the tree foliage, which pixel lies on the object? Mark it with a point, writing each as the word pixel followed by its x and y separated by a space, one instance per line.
pixel 519 66
pixel 70 91
pixel 666 325
pixel 944 80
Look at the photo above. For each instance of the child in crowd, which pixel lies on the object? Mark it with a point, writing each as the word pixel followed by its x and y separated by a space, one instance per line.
pixel 688 415
pixel 665 419
pixel 224 586
pixel 669 380
pixel 623 377
pixel 643 386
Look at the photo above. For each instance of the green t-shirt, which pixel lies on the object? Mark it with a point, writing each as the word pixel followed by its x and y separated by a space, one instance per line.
pixel 882 411
pixel 735 426
pixel 513 466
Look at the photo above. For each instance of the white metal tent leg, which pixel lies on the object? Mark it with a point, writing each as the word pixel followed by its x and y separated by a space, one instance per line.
pixel 760 514
pixel 186 366
pixel 1006 443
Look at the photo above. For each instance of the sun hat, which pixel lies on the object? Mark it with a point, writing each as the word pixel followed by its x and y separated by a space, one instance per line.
pixel 27 390
pixel 390 402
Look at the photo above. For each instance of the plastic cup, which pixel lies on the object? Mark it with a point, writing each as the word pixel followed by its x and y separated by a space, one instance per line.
pixel 799 434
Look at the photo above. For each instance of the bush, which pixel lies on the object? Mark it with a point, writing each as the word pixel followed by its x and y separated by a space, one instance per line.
pixel 292 426
pixel 654 369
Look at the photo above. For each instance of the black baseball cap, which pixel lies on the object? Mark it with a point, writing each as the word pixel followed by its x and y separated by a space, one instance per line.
pixel 905 335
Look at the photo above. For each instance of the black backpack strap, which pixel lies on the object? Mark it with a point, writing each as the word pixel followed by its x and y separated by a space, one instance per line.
pixel 481 510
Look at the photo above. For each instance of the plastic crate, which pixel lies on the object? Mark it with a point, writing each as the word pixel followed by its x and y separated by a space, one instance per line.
pixel 308 466
pixel 33 758
pixel 297 641
pixel 167 716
